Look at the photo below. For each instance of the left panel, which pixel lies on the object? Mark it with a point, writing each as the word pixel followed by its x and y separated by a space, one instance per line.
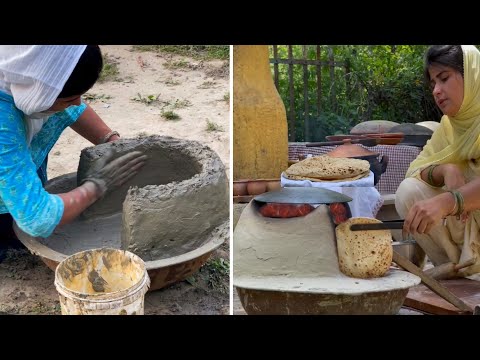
pixel 171 215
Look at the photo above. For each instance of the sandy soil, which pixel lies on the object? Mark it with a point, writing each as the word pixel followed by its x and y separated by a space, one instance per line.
pixel 198 92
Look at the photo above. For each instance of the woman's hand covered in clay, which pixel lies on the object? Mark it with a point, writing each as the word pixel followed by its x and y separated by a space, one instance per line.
pixel 108 174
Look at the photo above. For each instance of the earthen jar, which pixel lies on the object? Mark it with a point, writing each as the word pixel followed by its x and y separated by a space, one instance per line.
pixel 240 188
pixel 274 185
pixel 256 187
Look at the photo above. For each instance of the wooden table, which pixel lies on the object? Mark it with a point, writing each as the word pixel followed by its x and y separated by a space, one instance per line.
pixel 423 299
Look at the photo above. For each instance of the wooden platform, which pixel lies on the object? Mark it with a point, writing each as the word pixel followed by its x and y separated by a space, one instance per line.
pixel 423 299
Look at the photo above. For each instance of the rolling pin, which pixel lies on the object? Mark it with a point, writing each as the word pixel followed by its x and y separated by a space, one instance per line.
pixel 431 283
pixel 448 270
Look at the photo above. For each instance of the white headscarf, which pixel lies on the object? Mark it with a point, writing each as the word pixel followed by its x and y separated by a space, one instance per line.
pixel 35 75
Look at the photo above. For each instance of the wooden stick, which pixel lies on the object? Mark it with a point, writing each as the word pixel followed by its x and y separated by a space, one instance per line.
pixel 448 270
pixel 465 264
pixel 431 283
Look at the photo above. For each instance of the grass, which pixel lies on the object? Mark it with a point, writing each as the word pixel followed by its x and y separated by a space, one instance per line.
pixel 179 64
pixel 147 100
pixel 207 85
pixel 215 274
pixel 226 97
pixel 170 115
pixel 212 126
pixel 110 69
pixel 218 274
pixel 200 52
pixel 171 82
pixel 95 97
pixel 180 104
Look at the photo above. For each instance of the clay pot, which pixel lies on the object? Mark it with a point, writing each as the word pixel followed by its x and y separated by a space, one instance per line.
pixel 256 187
pixel 240 188
pixel 273 185
pixel 414 135
pixel 349 150
pixel 373 127
pixel 344 137
pixel 432 125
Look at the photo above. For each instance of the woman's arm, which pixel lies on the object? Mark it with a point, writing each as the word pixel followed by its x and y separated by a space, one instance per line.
pixel 77 200
pixel 449 175
pixel 471 195
pixel 36 211
pixel 92 127
pixel 426 213
pixel 105 173
pixel 22 195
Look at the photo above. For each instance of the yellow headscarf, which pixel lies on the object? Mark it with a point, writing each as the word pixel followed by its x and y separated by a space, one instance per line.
pixel 457 139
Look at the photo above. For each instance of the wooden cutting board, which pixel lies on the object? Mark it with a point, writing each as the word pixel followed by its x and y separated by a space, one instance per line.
pixel 423 299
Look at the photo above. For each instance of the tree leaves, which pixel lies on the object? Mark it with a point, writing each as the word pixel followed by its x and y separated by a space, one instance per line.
pixel 384 82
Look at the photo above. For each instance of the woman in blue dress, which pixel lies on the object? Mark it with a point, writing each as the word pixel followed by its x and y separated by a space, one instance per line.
pixel 40 95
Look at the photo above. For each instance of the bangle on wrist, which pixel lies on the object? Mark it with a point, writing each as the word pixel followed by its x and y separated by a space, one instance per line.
pixel 430 177
pixel 459 204
pixel 108 136
pixel 455 206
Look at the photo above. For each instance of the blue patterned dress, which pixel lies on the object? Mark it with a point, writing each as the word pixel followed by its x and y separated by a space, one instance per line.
pixel 23 168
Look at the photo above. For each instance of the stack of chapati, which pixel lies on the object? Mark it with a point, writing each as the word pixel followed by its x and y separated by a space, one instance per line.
pixel 327 168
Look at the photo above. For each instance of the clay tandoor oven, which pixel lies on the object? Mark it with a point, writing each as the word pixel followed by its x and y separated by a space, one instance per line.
pixel 173 214
pixel 285 266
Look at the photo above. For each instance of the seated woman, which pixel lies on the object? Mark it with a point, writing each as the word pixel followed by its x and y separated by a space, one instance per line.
pixel 440 197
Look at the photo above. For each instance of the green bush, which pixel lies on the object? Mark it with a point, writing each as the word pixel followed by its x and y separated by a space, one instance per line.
pixel 384 82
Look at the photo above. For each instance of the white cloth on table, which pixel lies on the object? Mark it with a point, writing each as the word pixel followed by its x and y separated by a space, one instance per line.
pixel 366 200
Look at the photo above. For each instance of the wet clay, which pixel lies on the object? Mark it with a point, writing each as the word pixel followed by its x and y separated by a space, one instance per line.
pixel 169 160
pixel 98 283
pixel 100 271
pixel 170 208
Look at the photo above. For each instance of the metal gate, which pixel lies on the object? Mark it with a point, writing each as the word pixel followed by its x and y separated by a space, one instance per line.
pixel 310 116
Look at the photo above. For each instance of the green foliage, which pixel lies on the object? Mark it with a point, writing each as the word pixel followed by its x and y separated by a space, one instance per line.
pixel 180 104
pixel 213 126
pixel 110 69
pixel 380 82
pixel 201 52
pixel 147 100
pixel 170 115
pixel 95 97
pixel 215 274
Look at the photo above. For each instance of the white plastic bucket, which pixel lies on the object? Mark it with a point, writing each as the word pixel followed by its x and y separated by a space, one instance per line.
pixel 102 282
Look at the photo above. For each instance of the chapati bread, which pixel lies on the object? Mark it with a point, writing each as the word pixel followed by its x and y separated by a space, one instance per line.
pixel 361 176
pixel 328 168
pixel 363 254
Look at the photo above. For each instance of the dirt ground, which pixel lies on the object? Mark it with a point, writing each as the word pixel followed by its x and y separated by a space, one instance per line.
pixel 148 88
